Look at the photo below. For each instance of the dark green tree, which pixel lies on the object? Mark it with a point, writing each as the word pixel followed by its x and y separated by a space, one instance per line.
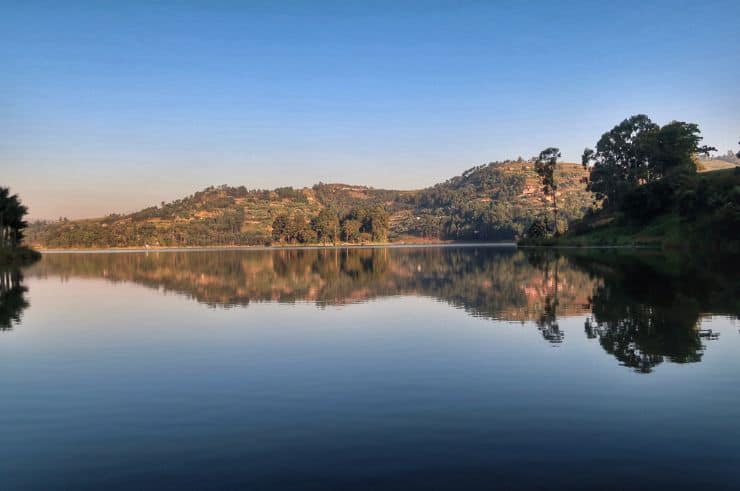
pixel 351 230
pixel 301 230
pixel 12 223
pixel 638 151
pixel 373 224
pixel 621 158
pixel 376 223
pixel 545 168
pixel 280 228
pixel 537 229
pixel 326 226
pixel 673 147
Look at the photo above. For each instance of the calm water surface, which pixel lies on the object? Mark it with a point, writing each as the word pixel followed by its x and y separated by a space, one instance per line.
pixel 418 368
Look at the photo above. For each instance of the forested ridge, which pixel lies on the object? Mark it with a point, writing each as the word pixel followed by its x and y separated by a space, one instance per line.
pixel 495 201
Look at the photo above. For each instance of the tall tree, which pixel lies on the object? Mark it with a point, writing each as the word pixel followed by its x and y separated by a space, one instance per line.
pixel 545 168
pixel 620 160
pixel 280 228
pixel 372 221
pixel 301 230
pixel 351 229
pixel 673 148
pixel 377 223
pixel 12 223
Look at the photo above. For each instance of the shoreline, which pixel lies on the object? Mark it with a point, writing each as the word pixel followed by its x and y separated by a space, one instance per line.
pixel 589 246
pixel 388 245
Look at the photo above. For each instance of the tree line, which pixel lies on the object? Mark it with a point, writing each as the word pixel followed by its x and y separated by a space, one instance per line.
pixel 359 225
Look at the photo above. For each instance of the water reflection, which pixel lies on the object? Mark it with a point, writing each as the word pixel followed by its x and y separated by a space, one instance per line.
pixel 643 308
pixel 493 283
pixel 12 298
pixel 547 322
pixel 648 310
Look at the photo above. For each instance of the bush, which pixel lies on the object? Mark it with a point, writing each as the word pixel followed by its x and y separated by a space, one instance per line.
pixel 537 230
pixel 687 203
pixel 649 200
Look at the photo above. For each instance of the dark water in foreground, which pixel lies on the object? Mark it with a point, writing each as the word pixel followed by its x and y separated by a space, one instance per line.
pixel 427 368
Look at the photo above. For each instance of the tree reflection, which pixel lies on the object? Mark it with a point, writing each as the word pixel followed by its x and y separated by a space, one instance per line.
pixel 646 336
pixel 645 312
pixel 547 322
pixel 645 307
pixel 12 298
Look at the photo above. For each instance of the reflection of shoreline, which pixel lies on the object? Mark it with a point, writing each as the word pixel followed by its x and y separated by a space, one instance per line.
pixel 374 245
pixel 494 282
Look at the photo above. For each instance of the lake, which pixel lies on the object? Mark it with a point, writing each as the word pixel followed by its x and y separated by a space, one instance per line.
pixel 378 368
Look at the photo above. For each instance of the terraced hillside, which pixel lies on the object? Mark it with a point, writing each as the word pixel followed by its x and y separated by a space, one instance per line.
pixel 495 201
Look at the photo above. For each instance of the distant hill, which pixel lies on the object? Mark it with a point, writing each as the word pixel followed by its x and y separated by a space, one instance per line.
pixel 495 201
pixel 709 165
pixel 728 160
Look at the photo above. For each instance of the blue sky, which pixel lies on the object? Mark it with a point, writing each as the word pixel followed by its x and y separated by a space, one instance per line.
pixel 112 106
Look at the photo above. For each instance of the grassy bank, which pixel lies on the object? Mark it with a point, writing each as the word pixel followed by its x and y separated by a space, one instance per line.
pixel 700 211
pixel 613 231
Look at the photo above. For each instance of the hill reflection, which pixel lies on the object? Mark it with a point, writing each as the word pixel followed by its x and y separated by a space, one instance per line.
pixel 639 310
pixel 497 284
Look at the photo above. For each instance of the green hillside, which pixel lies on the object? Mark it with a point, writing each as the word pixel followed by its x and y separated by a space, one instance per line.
pixel 654 189
pixel 495 201
pixel 684 211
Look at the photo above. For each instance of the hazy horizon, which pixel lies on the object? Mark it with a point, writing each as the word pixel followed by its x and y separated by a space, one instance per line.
pixel 117 107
